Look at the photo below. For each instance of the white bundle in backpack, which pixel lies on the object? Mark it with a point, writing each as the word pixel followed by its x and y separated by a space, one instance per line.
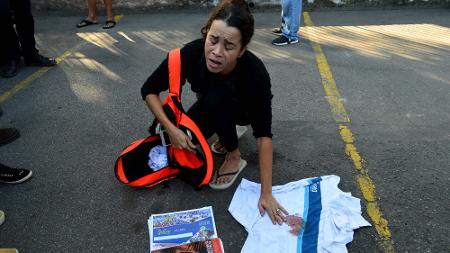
pixel 157 158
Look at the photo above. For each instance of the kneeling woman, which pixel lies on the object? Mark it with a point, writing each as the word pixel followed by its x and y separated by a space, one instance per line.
pixel 233 88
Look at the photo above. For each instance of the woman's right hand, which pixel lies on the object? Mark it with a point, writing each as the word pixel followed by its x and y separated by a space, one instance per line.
pixel 179 139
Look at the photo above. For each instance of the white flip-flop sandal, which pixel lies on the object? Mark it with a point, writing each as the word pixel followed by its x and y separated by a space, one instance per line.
pixel 218 148
pixel 213 185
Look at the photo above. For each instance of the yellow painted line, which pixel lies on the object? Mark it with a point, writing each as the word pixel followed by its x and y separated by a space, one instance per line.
pixel 329 85
pixel 38 73
pixel 364 181
pixel 117 18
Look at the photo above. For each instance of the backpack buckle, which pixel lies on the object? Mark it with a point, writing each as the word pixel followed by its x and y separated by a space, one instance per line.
pixel 163 135
pixel 161 131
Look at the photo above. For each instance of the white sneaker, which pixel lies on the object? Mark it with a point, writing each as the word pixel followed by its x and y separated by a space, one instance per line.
pixel 2 217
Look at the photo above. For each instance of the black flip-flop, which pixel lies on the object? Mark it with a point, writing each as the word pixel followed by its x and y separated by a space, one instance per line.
pixel 215 186
pixel 86 22
pixel 109 24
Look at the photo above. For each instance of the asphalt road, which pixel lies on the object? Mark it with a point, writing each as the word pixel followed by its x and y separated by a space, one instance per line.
pixel 391 69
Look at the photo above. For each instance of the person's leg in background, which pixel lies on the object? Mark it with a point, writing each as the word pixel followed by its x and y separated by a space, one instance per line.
pixel 91 19
pixel 5 250
pixel 279 30
pixel 8 135
pixel 10 51
pixel 291 16
pixel 7 174
pixel 294 20
pixel 25 30
pixel 110 22
pixel 92 10
pixel 24 26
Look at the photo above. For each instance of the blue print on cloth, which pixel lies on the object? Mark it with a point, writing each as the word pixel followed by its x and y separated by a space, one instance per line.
pixel 307 240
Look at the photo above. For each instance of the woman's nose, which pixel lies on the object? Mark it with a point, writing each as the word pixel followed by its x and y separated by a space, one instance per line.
pixel 218 50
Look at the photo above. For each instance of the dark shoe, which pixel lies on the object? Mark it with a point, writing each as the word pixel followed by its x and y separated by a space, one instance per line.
pixel 7 135
pixel 39 61
pixel 277 31
pixel 282 41
pixel 10 175
pixel 10 69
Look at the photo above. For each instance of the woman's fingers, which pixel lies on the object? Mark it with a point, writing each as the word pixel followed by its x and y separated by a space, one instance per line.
pixel 276 212
pixel 276 218
pixel 190 145
pixel 187 144
pixel 281 213
pixel 261 209
pixel 283 210
pixel 182 141
pixel 272 217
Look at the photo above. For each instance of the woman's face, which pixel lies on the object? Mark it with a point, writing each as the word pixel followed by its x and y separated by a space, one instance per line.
pixel 222 47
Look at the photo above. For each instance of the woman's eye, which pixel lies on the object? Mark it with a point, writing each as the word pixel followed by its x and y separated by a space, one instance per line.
pixel 229 47
pixel 214 40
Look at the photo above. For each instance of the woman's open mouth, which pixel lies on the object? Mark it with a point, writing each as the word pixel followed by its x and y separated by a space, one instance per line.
pixel 214 64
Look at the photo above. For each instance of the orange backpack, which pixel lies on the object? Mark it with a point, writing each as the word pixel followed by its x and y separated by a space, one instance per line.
pixel 132 166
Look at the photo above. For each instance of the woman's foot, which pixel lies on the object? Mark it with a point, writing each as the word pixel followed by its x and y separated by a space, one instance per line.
pixel 228 168
pixel 229 171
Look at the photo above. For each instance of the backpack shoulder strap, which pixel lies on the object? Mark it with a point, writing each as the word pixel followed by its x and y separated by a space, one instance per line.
pixel 175 72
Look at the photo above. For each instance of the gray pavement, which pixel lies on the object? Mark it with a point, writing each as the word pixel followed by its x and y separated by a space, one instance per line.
pixel 391 68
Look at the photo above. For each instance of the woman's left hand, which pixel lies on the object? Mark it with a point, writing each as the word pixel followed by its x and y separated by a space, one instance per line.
pixel 267 203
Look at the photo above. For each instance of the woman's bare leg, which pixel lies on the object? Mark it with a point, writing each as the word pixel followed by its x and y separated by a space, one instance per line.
pixel 109 12
pixel 92 8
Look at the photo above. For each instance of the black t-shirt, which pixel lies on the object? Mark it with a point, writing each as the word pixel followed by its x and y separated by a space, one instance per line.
pixel 249 79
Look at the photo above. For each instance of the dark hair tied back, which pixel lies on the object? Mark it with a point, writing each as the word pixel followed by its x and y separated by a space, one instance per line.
pixel 235 13
pixel 244 4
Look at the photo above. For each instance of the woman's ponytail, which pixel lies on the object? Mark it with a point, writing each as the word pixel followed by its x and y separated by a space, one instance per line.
pixel 235 13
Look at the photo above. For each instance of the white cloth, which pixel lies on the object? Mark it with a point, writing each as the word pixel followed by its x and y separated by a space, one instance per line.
pixel 157 158
pixel 329 217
